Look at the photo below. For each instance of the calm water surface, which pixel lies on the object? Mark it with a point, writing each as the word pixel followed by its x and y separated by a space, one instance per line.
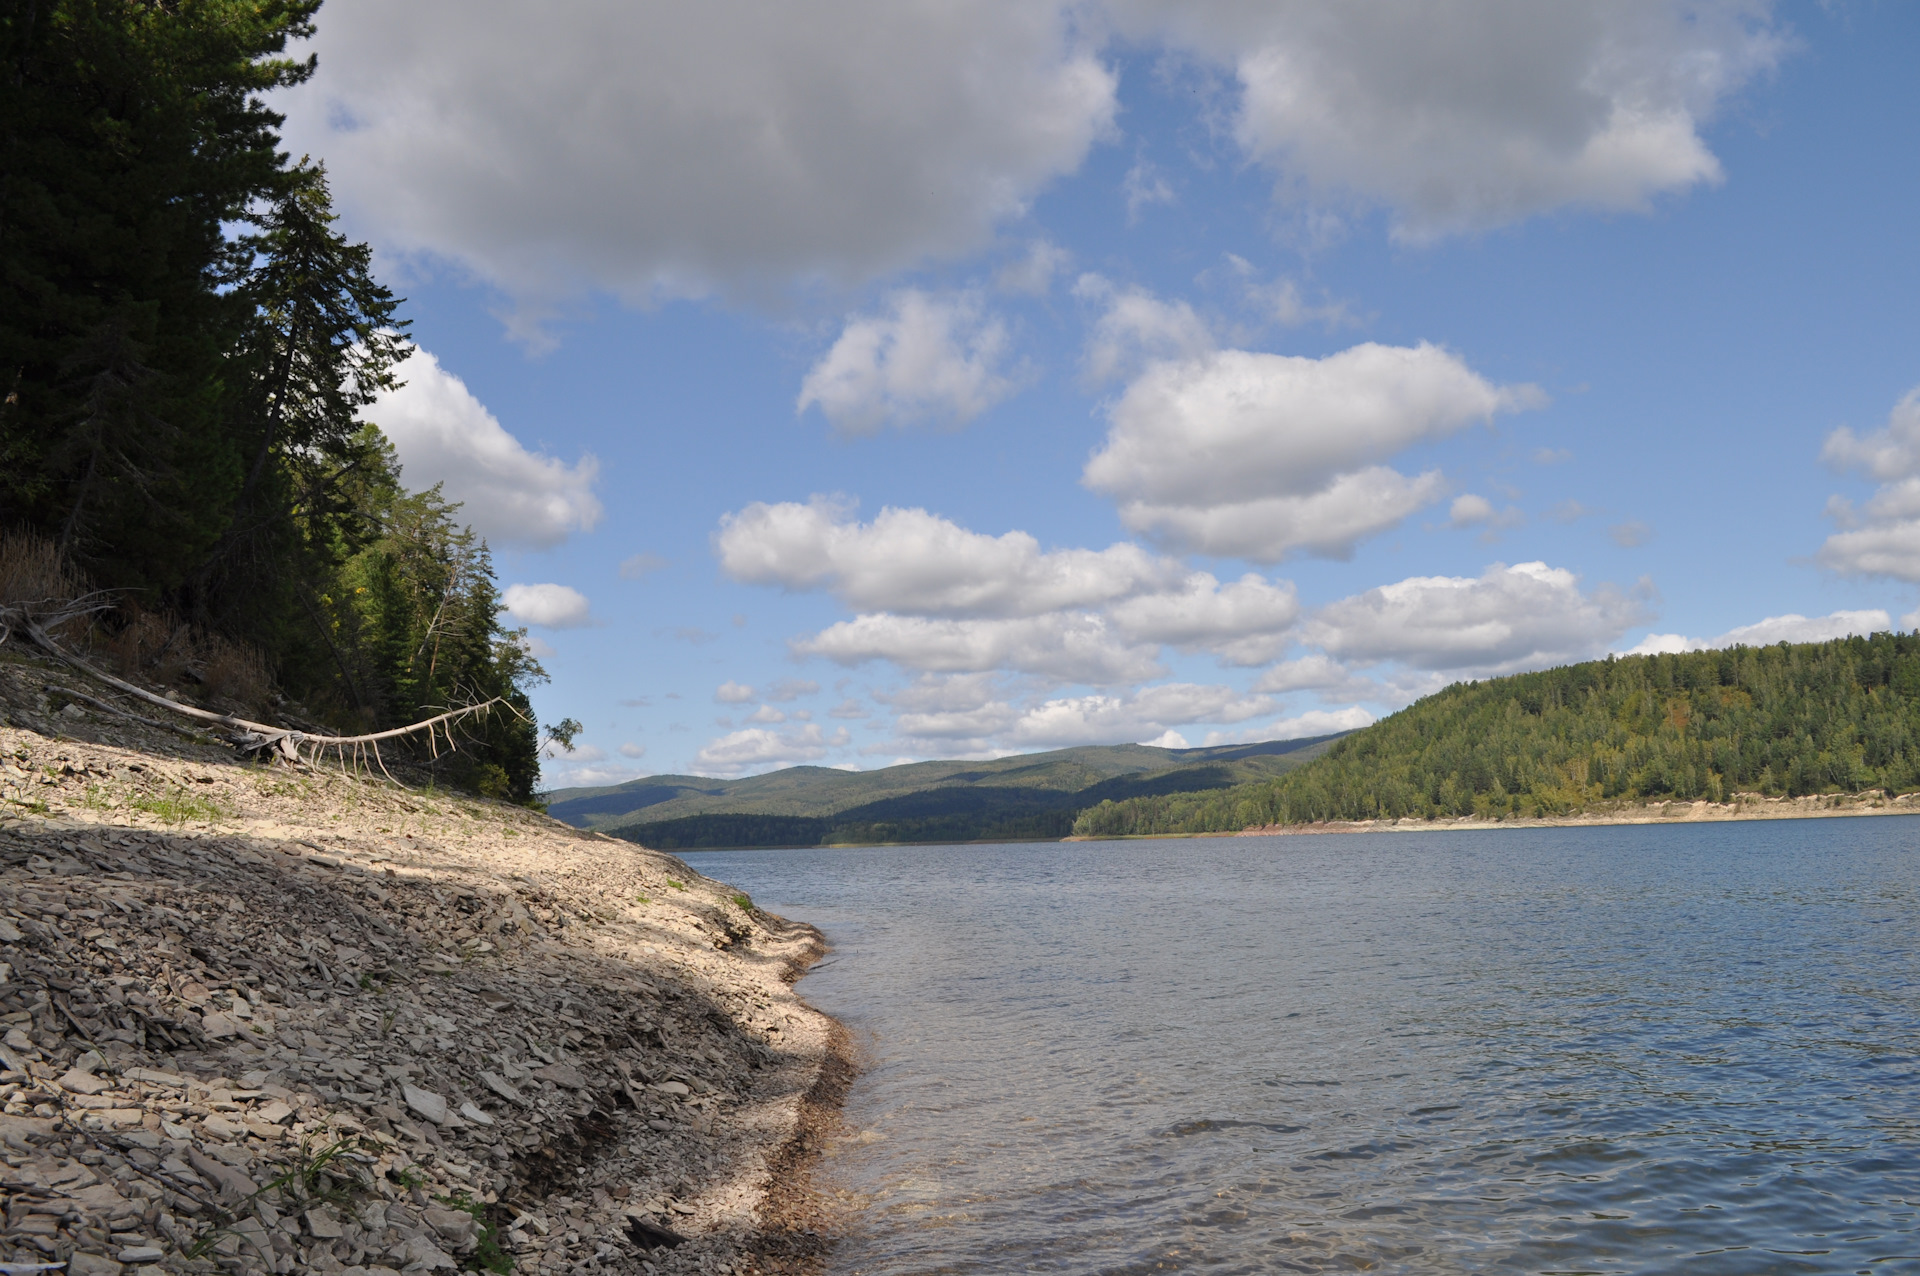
pixel 1662 1049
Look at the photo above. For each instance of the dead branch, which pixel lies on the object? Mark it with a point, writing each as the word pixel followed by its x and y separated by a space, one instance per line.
pixel 254 737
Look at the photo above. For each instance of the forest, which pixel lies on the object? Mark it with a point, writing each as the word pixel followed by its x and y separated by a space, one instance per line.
pixel 188 345
pixel 1784 720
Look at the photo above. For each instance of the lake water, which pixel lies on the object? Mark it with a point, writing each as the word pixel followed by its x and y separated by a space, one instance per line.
pixel 1636 1049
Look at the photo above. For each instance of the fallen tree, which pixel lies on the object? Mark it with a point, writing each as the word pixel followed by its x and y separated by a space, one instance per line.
pixel 254 738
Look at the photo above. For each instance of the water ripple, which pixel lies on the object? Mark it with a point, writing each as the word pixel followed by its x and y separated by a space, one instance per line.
pixel 1630 1050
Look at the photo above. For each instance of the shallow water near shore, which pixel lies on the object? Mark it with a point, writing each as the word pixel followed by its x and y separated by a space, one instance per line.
pixel 1634 1049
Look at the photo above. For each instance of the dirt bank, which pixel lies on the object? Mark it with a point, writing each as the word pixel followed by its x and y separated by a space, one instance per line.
pixel 257 1019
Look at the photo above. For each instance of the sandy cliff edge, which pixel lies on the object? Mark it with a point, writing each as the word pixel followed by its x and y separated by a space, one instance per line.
pixel 520 1041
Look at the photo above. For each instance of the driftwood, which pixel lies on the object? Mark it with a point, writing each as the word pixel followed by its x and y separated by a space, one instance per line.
pixel 284 743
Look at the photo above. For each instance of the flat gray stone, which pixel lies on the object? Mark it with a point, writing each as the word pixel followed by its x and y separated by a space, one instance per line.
pixel 426 1103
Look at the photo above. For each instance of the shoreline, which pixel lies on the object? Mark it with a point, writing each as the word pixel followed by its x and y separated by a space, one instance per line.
pixel 514 1034
pixel 1746 807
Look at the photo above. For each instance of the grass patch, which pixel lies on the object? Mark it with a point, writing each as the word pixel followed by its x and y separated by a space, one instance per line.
pixel 679 886
pixel 641 899
pixel 487 1255
pixel 180 807
pixel 744 901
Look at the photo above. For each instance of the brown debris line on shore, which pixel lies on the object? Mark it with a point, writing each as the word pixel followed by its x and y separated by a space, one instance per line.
pixel 1745 806
pixel 258 1020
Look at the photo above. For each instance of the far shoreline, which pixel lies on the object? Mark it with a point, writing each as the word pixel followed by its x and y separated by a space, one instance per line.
pixel 1744 807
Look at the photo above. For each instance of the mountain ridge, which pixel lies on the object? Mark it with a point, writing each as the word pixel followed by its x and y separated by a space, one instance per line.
pixel 1022 797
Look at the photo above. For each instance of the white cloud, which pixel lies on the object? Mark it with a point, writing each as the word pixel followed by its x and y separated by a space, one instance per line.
pixel 508 494
pixel 1136 328
pixel 1327 523
pixel 733 693
pixel 1143 186
pixel 850 709
pixel 646 148
pixel 1527 616
pixel 1475 113
pixel 1469 510
pixel 551 606
pixel 1883 538
pixel 927 359
pixel 766 713
pixel 934 595
pixel 1304 726
pixel 1168 739
pixel 1033 273
pixel 760 748
pixel 1791 627
pixel 632 750
pixel 1317 672
pixel 1115 719
pixel 1260 455
pixel 912 561
pixel 1892 453
pixel 1071 647
pixel 1246 622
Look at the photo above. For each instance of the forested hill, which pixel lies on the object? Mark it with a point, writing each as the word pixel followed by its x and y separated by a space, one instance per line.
pixel 188 346
pixel 1833 717
pixel 1033 796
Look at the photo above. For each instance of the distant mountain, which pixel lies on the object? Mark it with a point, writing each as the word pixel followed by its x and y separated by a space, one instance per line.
pixel 1035 796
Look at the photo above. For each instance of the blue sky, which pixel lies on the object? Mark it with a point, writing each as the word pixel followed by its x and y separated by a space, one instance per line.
pixel 871 382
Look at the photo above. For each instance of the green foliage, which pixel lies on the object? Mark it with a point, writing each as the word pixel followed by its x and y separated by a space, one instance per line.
pixel 187 345
pixel 180 807
pixel 1786 720
pixel 487 1255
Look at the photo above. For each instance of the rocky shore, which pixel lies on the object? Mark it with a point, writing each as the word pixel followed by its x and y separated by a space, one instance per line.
pixel 260 1019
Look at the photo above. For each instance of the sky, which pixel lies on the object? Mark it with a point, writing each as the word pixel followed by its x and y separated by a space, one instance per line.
pixel 861 382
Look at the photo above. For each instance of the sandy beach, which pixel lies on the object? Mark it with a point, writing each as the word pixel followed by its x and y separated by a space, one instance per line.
pixel 291 1020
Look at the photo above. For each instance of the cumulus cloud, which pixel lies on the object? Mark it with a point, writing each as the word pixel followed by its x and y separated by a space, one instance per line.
pixel 1475 113
pixel 1262 455
pixel 1245 622
pixel 971 714
pixel 1314 722
pixel 934 595
pixel 1134 328
pixel 766 713
pixel 913 561
pixel 927 358
pixel 1320 673
pixel 632 750
pixel 1150 711
pixel 647 148
pixel 444 435
pixel 549 605
pixel 757 748
pixel 1527 616
pixel 742 146
pixel 1883 537
pixel 1791 627
pixel 1033 273
pixel 733 693
pixel 1068 646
